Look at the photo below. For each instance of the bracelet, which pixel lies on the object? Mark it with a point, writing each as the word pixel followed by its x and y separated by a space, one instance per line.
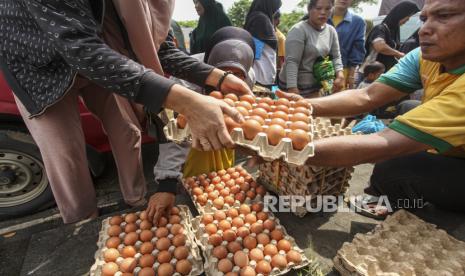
pixel 221 80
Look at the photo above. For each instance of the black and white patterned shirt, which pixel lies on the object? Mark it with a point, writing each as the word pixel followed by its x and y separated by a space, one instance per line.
pixel 45 43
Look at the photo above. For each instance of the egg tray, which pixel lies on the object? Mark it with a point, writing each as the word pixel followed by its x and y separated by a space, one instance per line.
pixel 194 256
pixel 402 245
pixel 209 208
pixel 211 262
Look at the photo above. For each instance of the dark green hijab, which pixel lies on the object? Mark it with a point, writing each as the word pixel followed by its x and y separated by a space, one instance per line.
pixel 213 19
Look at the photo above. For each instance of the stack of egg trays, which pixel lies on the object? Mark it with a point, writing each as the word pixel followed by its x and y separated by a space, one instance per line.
pixel 185 214
pixel 211 262
pixel 402 245
pixel 209 208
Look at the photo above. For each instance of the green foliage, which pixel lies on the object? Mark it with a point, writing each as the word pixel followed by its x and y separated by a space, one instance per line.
pixel 288 20
pixel 188 23
pixel 238 12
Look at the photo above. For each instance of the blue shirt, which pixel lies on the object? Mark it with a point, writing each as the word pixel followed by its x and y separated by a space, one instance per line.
pixel 351 33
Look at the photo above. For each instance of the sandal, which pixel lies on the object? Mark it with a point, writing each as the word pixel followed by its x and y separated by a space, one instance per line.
pixel 367 205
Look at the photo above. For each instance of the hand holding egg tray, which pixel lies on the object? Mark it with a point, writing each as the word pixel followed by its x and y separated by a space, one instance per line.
pixel 114 256
pixel 273 128
pixel 246 239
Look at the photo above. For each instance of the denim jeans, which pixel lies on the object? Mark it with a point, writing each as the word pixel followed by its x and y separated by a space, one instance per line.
pixel 421 177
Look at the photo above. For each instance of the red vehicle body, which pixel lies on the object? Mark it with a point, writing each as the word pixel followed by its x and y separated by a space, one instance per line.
pixel 23 183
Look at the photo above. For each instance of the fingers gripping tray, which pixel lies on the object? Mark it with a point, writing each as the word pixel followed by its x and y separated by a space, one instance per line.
pixel 402 245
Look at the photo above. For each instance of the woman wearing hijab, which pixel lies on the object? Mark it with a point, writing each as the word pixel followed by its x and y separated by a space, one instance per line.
pixel 383 42
pixel 230 49
pixel 212 18
pixel 259 23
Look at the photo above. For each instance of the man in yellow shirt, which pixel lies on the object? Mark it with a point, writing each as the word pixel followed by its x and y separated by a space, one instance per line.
pixel 421 156
pixel 281 41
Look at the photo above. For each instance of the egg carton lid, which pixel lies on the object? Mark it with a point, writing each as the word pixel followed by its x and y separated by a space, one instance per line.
pixel 185 214
pixel 402 245
pixel 210 261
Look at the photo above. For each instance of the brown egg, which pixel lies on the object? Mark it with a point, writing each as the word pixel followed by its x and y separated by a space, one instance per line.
pixel 282 108
pixel 232 213
pixel 183 267
pixel 225 265
pixel 275 133
pixel 250 194
pixel 231 124
pixel 300 117
pixel 235 189
pixel 243 232
pixel 230 170
pixel 260 190
pixel 278 121
pixel 128 265
pixel 264 106
pixel 239 180
pixel 303 103
pixel 256 228
pixel 213 195
pixel 211 229
pixel 162 232
pixel 269 224
pixel 164 257
pixel 283 101
pixel 270 250
pixel 258 119
pixel 113 242
pixel 242 110
pixel 229 235
pixel 257 207
pixel 147 260
pixel 177 229
pixel 284 245
pixel 262 216
pixel 175 211
pixel 163 244
pixel 224 193
pixel 247 271
pixel 234 246
pixel 215 240
pixel 277 235
pixel 181 121
pixel 241 259
pixel 279 261
pixel 250 218
pixel 244 186
pixel 216 94
pixel 229 102
pixel 207 219
pixel 130 227
pixel 301 109
pixel 240 197
pixel 145 225
pixel 146 271
pixel 197 191
pixel 111 255
pixel 218 203
pixel 280 115
pixel 244 104
pixel 230 182
pixel 114 230
pixel 237 222
pixel 250 242
pixel 219 215
pixel 162 222
pixel 175 219
pixel 266 100
pixel 260 112
pixel 299 125
pixel 231 96
pixel 202 199
pixel 294 257
pixel 235 175
pixel 299 138
pixel 221 173
pixel 131 238
pixel 181 253
pixel 146 248
pixel 128 251
pixel 220 252
pixel 116 220
pixel 256 254
pixel 263 238
pixel 165 270
pixel 146 235
pixel 244 209
pixel 263 267
pixel 179 240
pixel 248 98
pixel 109 269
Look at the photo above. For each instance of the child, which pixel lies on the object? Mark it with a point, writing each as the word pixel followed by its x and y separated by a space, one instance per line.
pixel 371 72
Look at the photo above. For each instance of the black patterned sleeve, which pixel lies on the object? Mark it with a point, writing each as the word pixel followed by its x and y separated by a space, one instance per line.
pixel 177 63
pixel 72 28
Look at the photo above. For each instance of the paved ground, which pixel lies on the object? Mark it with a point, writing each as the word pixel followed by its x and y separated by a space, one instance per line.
pixel 41 245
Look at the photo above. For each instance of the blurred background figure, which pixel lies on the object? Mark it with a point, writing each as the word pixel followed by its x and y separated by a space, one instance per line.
pixel 371 73
pixel 281 42
pixel 178 36
pixel 212 18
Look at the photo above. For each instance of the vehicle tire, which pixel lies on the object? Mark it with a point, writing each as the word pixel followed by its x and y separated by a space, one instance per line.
pixel 24 186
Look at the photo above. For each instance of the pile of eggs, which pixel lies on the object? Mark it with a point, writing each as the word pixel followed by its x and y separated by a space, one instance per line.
pixel 135 246
pixel 225 188
pixel 246 241
pixel 277 118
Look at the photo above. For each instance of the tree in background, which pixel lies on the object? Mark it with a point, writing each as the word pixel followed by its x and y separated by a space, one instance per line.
pixel 188 23
pixel 238 12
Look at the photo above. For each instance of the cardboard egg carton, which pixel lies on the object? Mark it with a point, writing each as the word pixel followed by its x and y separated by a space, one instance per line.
pixel 194 255
pixel 402 245
pixel 211 262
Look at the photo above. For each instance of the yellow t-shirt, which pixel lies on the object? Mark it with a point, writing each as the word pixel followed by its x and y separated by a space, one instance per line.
pixel 199 162
pixel 337 19
pixel 281 43
pixel 440 120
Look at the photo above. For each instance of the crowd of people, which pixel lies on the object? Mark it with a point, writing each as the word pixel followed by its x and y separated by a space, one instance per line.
pixel 121 58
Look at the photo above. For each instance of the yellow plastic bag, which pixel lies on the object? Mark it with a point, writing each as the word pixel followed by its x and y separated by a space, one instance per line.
pixel 199 162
